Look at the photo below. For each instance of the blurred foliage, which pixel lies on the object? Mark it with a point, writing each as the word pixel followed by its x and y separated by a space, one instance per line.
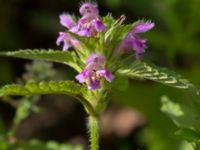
pixel 186 118
pixel 38 145
pixel 174 42
pixel 50 145
pixel 33 72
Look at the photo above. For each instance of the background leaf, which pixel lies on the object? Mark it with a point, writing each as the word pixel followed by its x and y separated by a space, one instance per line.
pixel 183 115
pixel 120 83
pixel 50 145
pixel 188 134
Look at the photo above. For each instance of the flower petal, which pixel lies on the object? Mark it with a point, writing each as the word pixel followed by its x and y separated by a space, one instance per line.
pixel 67 40
pixel 139 45
pixel 143 27
pixel 84 32
pixel 99 26
pixel 97 58
pixel 66 21
pixel 106 74
pixel 94 84
pixel 66 45
pixel 88 8
pixel 61 37
pixel 82 76
pixel 75 43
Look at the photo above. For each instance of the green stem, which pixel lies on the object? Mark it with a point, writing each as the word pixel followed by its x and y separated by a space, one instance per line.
pixel 94 132
pixel 86 104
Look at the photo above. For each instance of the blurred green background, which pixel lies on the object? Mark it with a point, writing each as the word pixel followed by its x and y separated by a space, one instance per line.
pixel 173 43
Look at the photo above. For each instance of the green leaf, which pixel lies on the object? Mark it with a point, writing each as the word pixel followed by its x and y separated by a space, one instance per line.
pixel 120 83
pixel 187 146
pixel 183 115
pixel 64 57
pixel 185 118
pixel 144 70
pixel 23 109
pixel 173 110
pixel 188 134
pixel 52 87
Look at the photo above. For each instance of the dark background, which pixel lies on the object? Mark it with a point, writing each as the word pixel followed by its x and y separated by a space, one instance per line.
pixel 173 43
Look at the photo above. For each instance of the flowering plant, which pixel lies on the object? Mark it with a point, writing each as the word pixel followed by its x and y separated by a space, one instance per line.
pixel 105 52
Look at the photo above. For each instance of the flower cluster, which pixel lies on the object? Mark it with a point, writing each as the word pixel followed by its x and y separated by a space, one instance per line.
pixel 89 25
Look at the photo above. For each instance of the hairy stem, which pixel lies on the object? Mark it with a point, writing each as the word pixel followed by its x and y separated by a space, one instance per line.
pixel 94 132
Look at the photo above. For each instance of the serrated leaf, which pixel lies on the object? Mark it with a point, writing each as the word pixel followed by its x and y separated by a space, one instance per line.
pixel 52 87
pixel 64 57
pixel 144 70
pixel 188 134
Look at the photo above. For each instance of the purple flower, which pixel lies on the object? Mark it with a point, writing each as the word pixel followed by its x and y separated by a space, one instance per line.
pixel 95 58
pixel 88 8
pixel 89 25
pixel 94 71
pixel 67 40
pixel 98 25
pixel 134 41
